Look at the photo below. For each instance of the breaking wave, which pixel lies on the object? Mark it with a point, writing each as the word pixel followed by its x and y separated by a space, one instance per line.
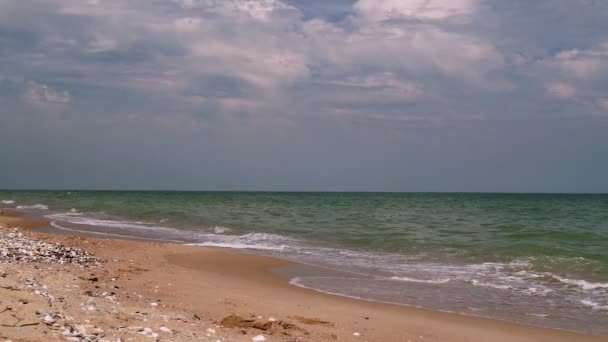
pixel 35 206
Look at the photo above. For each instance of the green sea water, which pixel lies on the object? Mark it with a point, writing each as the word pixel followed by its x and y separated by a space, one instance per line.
pixel 535 258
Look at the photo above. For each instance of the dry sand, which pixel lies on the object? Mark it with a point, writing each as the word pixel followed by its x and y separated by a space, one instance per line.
pixel 207 294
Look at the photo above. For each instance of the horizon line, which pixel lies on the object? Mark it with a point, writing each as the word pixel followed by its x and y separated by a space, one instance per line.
pixel 311 191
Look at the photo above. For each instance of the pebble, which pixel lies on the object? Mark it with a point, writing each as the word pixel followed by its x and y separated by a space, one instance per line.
pixel 16 248
pixel 211 330
pixel 356 334
pixel 258 338
pixel 167 330
pixel 48 319
pixel 148 332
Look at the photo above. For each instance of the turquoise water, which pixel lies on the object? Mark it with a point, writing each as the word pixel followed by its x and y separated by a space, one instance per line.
pixel 539 259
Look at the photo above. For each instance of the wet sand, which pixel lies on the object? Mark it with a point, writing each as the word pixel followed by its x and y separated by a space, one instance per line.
pixel 236 294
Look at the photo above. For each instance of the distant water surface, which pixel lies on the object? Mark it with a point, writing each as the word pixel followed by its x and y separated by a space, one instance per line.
pixel 536 259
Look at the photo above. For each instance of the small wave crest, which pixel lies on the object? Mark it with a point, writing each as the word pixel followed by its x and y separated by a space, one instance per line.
pixel 427 281
pixel 74 211
pixel 476 282
pixel 594 305
pixel 8 202
pixel 74 217
pixel 35 206
pixel 259 241
pixel 220 230
pixel 585 285
pixel 60 227
pixel 256 241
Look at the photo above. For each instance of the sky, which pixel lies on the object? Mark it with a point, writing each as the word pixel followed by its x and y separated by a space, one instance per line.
pixel 305 95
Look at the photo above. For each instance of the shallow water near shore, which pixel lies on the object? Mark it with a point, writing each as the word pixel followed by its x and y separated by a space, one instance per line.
pixel 535 259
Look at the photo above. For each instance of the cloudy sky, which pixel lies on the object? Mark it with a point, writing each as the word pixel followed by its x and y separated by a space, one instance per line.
pixel 370 95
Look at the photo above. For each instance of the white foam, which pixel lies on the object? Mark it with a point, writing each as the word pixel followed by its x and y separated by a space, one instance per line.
pixel 58 226
pixel 220 230
pixel 415 280
pixel 236 245
pixel 585 285
pixel 70 217
pixel 35 206
pixel 8 202
pixel 538 290
pixel 537 314
pixel 594 305
pixel 259 241
pixel 476 282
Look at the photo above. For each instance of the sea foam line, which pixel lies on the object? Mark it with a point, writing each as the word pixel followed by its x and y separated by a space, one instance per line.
pixel 426 281
pixel 56 225
pixel 35 206
pixel 585 285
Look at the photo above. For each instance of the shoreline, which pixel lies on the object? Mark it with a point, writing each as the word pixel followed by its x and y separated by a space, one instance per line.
pixel 248 284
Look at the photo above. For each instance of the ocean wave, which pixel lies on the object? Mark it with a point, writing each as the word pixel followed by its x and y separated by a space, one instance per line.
pixel 585 285
pixel 35 206
pixel 537 290
pixel 476 282
pixel 77 219
pixel 237 245
pixel 60 227
pixel 594 305
pixel 415 280
pixel 8 202
pixel 259 241
pixel 220 230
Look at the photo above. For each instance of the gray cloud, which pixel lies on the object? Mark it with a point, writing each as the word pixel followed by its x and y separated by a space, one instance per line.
pixel 271 90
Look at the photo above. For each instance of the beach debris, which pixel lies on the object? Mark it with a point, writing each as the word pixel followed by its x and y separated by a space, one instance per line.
pixel 154 304
pixel 166 330
pixel 48 319
pixel 258 338
pixel 356 334
pixel 272 319
pixel 16 248
pixel 211 331
pixel 147 332
pixel 281 327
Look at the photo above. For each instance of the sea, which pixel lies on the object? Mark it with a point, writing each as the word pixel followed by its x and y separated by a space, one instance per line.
pixel 537 259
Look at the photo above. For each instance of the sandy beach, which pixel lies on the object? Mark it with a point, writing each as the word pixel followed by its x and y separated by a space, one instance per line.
pixel 141 291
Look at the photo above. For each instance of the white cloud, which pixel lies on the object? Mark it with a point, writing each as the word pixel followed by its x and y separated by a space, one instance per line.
pixel 271 55
pixel 35 92
pixel 380 10
pixel 386 82
pixel 257 9
pixel 561 90
pixel 602 104
pixel 584 65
